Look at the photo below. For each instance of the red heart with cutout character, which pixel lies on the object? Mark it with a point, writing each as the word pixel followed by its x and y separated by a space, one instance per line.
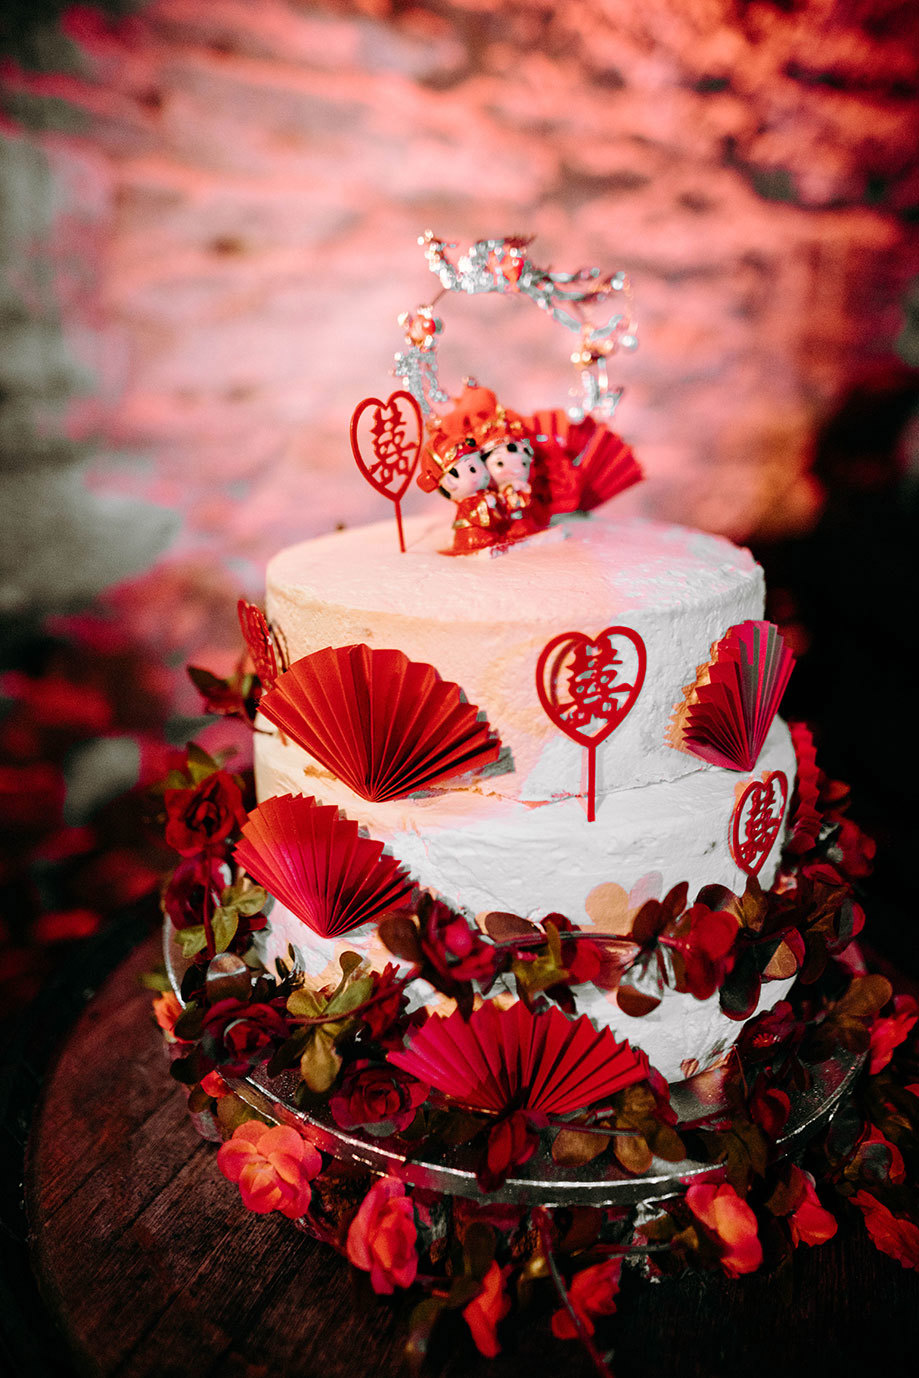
pixel 394 438
pixel 588 685
pixel 756 820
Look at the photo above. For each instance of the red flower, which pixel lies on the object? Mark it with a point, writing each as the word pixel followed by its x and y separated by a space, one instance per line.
pixel 382 1237
pixel 194 890
pixel 877 1159
pixel 771 1031
pixel 856 848
pixel 889 1033
pixel 166 1010
pixel 199 818
pixel 236 1036
pixel 770 1107
pixel 732 1224
pixel 485 1311
pixel 273 1167
pixel 592 1293
pixel 390 998
pixel 705 942
pixel 892 1235
pixel 62 925
pixel 809 1222
pixel 214 1085
pixel 806 819
pixel 511 1142
pixel 374 1095
pixel 454 949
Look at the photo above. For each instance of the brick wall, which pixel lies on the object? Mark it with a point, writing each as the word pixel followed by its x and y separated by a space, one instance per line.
pixel 225 199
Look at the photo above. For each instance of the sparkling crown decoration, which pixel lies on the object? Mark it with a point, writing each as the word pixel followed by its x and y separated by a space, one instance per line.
pixel 504 266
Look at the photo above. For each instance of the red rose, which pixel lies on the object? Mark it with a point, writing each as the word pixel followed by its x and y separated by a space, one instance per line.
pixel 373 1095
pixel 273 1167
pixel 592 1293
pixel 455 949
pixel 382 1237
pixel 892 1235
pixel 194 890
pixel 485 1311
pixel 236 1036
pixel 199 818
pixel 731 1223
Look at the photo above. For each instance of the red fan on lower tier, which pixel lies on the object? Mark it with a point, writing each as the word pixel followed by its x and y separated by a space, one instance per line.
pixel 500 1058
pixel 727 712
pixel 385 725
pixel 315 862
pixel 584 463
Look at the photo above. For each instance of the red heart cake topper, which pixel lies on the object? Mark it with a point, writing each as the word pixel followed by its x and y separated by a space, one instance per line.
pixel 588 685
pixel 394 436
pixel 756 820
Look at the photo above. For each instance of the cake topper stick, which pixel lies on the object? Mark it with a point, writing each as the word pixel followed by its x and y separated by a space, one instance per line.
pixel 395 442
pixel 603 675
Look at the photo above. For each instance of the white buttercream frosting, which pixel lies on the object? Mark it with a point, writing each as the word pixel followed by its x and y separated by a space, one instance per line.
pixel 518 839
pixel 483 622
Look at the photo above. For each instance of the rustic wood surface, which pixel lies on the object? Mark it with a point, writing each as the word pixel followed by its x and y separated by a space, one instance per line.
pixel 152 1268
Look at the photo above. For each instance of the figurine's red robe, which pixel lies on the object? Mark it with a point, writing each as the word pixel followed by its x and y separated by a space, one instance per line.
pixel 479 522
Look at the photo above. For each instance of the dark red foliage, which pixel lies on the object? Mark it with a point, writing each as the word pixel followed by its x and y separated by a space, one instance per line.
pixel 389 1000
pixel 704 940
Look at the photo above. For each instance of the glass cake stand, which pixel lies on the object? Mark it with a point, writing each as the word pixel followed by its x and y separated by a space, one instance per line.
pixel 451 1170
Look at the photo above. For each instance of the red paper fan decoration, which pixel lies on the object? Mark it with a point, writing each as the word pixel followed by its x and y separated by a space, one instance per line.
pixel 727 712
pixel 511 1057
pixel 584 463
pixel 315 862
pixel 385 725
pixel 259 642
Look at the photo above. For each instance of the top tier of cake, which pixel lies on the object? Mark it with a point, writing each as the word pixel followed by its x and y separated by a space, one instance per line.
pixel 482 621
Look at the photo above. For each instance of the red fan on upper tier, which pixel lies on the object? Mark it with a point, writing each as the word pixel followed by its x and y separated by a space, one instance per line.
pixel 584 463
pixel 315 862
pixel 511 1057
pixel 385 725
pixel 728 710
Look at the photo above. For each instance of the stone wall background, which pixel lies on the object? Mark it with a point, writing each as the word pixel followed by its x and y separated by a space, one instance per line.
pixel 209 224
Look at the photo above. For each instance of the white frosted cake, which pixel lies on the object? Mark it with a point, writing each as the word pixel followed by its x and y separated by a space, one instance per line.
pixel 516 838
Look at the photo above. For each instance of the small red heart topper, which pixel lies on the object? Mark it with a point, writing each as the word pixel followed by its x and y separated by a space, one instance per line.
pixel 588 686
pixel 756 820
pixel 391 430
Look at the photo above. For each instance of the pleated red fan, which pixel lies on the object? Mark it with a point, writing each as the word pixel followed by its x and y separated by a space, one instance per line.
pixel 315 862
pixel 583 463
pixel 727 712
pixel 503 1057
pixel 385 725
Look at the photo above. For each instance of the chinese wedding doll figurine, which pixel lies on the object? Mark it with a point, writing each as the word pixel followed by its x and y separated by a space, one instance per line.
pixel 479 456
